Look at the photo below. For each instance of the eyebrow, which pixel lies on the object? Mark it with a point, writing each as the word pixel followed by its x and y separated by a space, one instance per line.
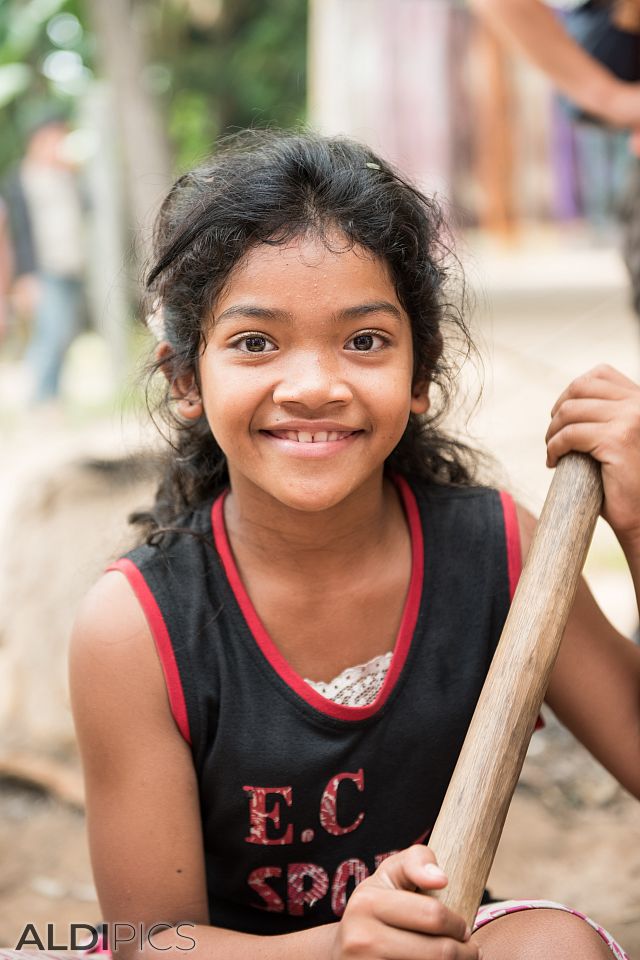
pixel 249 310
pixel 263 313
pixel 376 306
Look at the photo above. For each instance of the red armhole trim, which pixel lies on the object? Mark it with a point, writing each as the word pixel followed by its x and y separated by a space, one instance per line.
pixel 161 639
pixel 512 537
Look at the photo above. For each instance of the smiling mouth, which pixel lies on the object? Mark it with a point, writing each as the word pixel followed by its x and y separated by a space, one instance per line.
pixel 320 436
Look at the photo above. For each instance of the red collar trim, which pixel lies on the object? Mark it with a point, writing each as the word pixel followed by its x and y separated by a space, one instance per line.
pixel 273 655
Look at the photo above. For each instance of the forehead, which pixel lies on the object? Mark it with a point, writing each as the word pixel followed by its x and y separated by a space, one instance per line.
pixel 308 271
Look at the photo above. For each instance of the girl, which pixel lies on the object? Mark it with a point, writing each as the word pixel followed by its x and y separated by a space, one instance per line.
pixel 271 693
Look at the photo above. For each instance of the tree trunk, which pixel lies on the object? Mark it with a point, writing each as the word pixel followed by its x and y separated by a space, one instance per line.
pixel 143 142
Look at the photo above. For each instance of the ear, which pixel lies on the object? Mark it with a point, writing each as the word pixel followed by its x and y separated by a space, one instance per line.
pixel 183 388
pixel 420 397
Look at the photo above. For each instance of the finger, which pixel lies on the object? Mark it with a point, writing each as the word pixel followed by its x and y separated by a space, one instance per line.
pixel 582 411
pixel 420 914
pixel 582 437
pixel 603 383
pixel 604 372
pixel 411 869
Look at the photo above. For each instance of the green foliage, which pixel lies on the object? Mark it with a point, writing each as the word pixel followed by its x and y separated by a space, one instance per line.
pixel 27 93
pixel 192 126
pixel 242 64
pixel 246 68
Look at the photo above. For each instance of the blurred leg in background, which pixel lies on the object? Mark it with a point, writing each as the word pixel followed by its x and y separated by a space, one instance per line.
pixel 630 218
pixel 58 319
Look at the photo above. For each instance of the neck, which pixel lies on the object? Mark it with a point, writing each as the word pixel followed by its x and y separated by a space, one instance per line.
pixel 319 541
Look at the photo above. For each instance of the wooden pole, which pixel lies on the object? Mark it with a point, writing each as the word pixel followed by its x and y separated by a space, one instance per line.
pixel 469 825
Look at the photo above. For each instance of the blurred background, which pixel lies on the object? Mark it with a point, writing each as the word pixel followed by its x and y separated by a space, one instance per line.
pixel 102 104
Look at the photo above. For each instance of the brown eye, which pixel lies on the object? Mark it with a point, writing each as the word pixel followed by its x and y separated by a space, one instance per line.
pixel 364 341
pixel 255 344
pixel 369 341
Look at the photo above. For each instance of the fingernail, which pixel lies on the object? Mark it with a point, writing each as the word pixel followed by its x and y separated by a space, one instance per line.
pixel 433 871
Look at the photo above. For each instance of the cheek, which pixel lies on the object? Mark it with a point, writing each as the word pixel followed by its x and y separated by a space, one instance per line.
pixel 389 402
pixel 393 389
pixel 231 398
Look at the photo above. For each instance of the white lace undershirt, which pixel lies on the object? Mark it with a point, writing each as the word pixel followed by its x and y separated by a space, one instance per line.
pixel 356 686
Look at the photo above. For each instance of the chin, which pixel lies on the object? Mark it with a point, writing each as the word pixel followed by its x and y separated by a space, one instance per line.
pixel 315 496
pixel 309 501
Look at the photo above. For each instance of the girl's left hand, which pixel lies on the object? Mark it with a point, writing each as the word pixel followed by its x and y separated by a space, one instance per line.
pixel 599 413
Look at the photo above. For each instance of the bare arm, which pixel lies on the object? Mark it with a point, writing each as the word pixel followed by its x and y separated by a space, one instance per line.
pixel 595 684
pixel 595 690
pixel 534 29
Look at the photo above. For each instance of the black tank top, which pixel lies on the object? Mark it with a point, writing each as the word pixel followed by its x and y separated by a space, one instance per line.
pixel 302 798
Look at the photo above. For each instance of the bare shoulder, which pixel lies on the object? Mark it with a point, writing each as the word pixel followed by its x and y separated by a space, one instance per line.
pixel 112 657
pixel 108 614
pixel 142 797
pixel 118 693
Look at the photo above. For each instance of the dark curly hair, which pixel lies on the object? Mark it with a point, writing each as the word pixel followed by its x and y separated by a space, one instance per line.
pixel 269 187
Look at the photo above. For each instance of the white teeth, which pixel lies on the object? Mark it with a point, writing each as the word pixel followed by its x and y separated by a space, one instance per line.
pixel 304 436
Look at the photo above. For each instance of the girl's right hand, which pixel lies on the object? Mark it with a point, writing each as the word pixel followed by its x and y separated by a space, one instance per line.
pixel 386 916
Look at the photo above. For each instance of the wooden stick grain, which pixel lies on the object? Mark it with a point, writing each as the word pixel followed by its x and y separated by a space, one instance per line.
pixel 467 831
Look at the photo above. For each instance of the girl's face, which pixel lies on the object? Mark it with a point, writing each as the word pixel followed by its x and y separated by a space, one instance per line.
pixel 306 372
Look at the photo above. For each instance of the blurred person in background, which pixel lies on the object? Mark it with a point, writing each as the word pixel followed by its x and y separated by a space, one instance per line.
pixel 6 269
pixel 599 76
pixel 46 226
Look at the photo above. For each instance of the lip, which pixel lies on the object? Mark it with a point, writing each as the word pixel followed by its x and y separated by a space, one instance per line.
pixel 315 450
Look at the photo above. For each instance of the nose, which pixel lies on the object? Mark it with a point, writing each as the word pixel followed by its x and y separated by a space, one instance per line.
pixel 312 380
